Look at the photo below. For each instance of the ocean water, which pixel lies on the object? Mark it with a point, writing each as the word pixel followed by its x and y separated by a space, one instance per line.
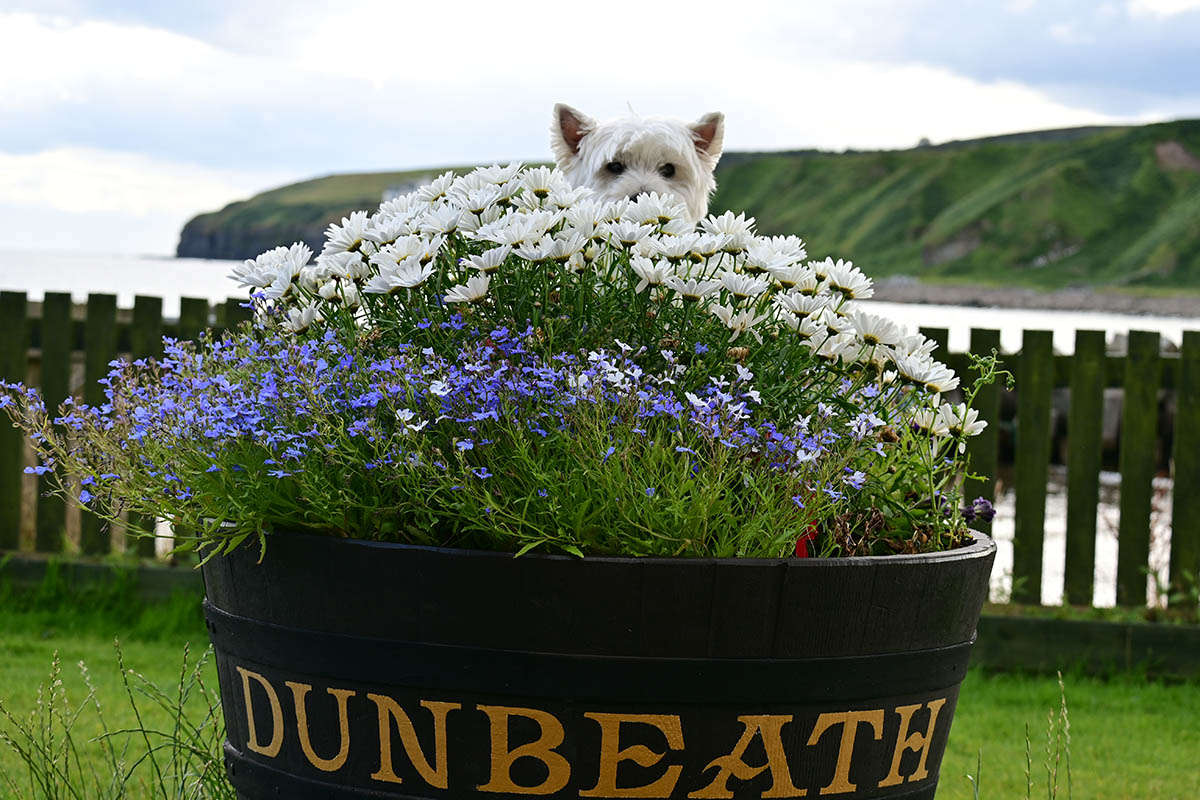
pixel 173 278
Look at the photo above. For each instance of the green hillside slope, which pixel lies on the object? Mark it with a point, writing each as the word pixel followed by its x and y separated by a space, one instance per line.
pixel 1089 207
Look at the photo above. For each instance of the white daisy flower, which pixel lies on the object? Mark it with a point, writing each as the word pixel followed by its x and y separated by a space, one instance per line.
pixel 490 260
pixel 261 272
pixel 541 181
pixel 692 288
pixel 929 422
pixel 348 236
pixel 801 305
pixel 401 206
pixel 933 375
pixel 408 274
pixel 675 248
pixel 500 175
pixel 473 290
pixel 563 198
pixel 299 319
pixel 739 230
pixel 742 285
pixel 436 189
pixel 790 276
pixel 385 230
pixel 875 330
pixel 441 220
pixel 649 272
pixel 960 420
pixel 848 280
pixel 915 344
pixel 626 233
pixel 738 321
pixel 585 216
pixel 347 266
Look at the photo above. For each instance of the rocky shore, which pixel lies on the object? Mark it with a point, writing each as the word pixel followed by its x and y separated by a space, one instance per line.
pixel 910 290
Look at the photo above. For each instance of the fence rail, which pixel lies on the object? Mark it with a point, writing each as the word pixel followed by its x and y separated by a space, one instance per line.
pixel 64 349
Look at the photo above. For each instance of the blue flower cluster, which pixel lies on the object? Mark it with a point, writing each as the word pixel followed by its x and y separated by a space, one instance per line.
pixel 280 415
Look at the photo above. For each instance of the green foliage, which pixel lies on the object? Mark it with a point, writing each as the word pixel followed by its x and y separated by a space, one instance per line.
pixel 172 748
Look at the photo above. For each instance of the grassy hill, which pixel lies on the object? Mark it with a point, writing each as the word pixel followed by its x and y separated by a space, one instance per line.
pixel 1079 207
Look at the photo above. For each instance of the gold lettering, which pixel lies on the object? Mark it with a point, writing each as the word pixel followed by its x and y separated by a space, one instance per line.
pixel 611 755
pixel 733 765
pixel 542 749
pixel 436 776
pixel 849 720
pixel 917 742
pixel 299 690
pixel 271 749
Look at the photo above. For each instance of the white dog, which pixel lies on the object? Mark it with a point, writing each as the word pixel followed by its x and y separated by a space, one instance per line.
pixel 635 155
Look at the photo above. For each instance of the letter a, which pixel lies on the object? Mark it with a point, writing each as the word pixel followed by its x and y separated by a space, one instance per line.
pixel 271 749
pixel 733 765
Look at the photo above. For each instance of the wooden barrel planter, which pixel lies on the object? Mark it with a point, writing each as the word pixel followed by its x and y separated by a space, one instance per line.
pixel 352 669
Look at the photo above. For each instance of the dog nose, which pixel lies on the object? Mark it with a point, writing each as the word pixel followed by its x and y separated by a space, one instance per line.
pixel 637 194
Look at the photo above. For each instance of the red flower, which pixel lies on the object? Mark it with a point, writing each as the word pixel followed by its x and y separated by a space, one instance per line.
pixel 809 535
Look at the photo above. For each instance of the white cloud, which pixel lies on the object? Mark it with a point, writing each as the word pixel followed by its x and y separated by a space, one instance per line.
pixel 360 85
pixel 148 195
pixel 1162 8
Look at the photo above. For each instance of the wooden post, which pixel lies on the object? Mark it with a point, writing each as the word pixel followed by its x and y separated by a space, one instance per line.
pixel 100 347
pixel 983 449
pixel 193 317
pixel 1139 435
pixel 14 361
pixel 1035 381
pixel 235 315
pixel 145 341
pixel 57 330
pixel 941 336
pixel 1185 509
pixel 1084 429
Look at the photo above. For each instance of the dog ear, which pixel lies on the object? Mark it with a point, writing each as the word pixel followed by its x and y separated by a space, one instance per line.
pixel 708 132
pixel 567 131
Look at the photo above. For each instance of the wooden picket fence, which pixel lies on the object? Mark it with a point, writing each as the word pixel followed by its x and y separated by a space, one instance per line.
pixel 45 346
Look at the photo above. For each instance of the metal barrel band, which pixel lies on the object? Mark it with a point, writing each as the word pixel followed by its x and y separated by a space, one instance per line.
pixel 623 679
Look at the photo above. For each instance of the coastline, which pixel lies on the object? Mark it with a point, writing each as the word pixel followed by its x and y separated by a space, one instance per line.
pixel 902 289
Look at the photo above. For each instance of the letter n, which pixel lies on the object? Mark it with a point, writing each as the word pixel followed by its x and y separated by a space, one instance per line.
pixel 436 776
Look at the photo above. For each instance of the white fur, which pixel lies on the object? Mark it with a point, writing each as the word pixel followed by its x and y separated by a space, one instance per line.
pixel 583 148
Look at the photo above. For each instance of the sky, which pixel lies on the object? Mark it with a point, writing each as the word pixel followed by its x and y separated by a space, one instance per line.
pixel 121 119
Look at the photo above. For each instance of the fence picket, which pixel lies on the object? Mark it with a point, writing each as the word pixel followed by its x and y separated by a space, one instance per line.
pixel 235 314
pixel 13 364
pixel 1185 509
pixel 1035 380
pixel 1139 428
pixel 100 347
pixel 984 448
pixel 193 317
pixel 145 341
pixel 1084 429
pixel 56 332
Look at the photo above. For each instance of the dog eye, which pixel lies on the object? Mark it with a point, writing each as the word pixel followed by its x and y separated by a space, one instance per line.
pixel 667 170
pixel 615 167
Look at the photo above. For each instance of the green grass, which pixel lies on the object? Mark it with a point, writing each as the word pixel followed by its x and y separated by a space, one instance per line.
pixel 1129 738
